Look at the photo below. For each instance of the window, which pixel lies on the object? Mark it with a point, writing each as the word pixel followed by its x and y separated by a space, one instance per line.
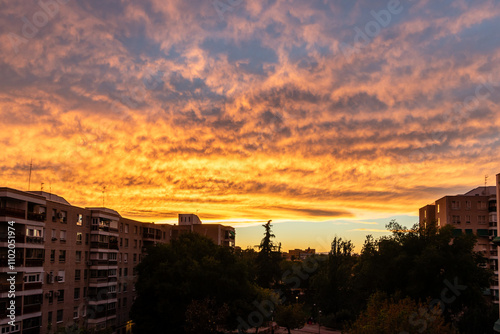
pixel 52 255
pixel 85 274
pixel 455 219
pixel 84 293
pixel 126 228
pixel 125 302
pixel 54 235
pixel 455 205
pixel 468 204
pixel 121 242
pixel 79 219
pixel 481 205
pixel 467 219
pixel 77 293
pixel 120 257
pixel 125 257
pixel 75 312
pixel 59 315
pixel 34 231
pixel 126 242
pixel 125 272
pixel 78 256
pixel 49 318
pixel 62 236
pixel 78 274
pixel 79 237
pixel 135 229
pixel 54 215
pixel 62 256
pixel 135 243
pixel 121 227
pixel 135 258
pixel 438 208
pixel 63 215
pixel 31 278
pixel 60 295
pixel 120 272
pixel 61 276
pixel 481 219
pixel 86 238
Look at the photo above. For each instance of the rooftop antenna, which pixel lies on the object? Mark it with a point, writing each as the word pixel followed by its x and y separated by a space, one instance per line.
pixel 103 191
pixel 50 190
pixel 41 186
pixel 29 179
pixel 485 183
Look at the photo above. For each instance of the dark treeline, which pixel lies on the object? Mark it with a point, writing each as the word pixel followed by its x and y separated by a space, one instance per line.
pixel 419 280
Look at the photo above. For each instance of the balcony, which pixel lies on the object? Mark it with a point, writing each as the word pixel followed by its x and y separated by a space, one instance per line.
pixel 32 286
pixel 11 212
pixel 34 263
pixel 40 217
pixel 6 287
pixel 493 224
pixel 4 312
pixel 103 228
pixel 19 237
pixel 32 308
pixel 34 240
pixel 96 244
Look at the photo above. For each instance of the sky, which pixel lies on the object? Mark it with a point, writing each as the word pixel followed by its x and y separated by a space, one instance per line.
pixel 328 117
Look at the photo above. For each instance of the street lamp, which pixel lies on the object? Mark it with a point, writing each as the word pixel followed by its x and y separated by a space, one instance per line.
pixel 319 322
pixel 297 299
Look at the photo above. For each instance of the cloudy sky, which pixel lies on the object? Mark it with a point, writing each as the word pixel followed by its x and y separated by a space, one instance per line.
pixel 329 117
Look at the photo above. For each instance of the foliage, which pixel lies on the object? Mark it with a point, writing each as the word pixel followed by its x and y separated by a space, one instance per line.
pixel 268 260
pixel 334 283
pixel 291 316
pixel 424 263
pixel 205 316
pixel 388 315
pixel 190 268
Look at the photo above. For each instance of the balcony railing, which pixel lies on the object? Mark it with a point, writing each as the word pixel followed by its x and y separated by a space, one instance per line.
pixel 96 244
pixel 34 240
pixel 32 308
pixel 11 212
pixel 37 216
pixel 32 286
pixel 19 237
pixel 6 287
pixel 34 262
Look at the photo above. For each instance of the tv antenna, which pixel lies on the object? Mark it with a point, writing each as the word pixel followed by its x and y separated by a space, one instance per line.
pixel 29 178
pixel 103 192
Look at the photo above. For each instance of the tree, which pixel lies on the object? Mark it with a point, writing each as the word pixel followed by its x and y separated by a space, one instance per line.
pixel 291 316
pixel 393 315
pixel 422 263
pixel 268 260
pixel 333 285
pixel 190 268
pixel 205 317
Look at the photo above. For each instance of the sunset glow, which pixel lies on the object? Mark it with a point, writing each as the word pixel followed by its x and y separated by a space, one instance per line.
pixel 303 112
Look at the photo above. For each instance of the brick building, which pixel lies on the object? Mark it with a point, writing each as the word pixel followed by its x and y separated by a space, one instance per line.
pixel 75 265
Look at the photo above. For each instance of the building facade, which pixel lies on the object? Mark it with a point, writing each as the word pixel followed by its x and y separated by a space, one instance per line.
pixel 73 265
pixel 474 212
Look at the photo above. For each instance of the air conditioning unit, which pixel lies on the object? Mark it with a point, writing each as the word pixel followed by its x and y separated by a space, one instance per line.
pixel 48 294
pixel 59 278
pixel 59 215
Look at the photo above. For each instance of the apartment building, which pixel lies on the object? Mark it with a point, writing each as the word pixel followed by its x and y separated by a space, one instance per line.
pixel 474 212
pixel 73 265
pixel 222 235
